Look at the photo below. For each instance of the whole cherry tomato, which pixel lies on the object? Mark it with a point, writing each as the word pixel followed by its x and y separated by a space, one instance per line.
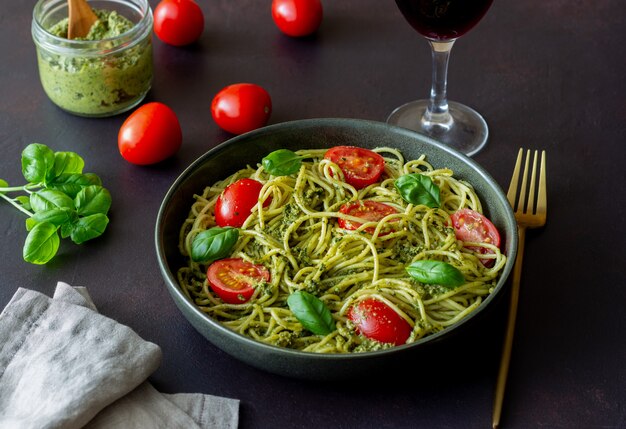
pixel 241 107
pixel 377 321
pixel 233 280
pixel 297 18
pixel 361 167
pixel 150 134
pixel 178 22
pixel 234 205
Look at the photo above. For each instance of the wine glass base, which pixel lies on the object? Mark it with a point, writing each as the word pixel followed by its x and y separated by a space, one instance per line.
pixel 464 129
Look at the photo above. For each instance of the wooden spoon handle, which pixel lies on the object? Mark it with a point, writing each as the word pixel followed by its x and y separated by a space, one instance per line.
pixel 81 18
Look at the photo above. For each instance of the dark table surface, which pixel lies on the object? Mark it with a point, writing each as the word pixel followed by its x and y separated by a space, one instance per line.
pixel 546 74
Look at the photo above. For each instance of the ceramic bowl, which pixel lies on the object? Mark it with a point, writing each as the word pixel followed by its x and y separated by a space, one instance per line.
pixel 250 148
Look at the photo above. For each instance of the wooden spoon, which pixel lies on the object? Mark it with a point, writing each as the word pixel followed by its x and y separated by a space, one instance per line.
pixel 81 18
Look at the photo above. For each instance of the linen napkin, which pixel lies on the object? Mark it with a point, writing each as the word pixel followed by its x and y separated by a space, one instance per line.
pixel 64 365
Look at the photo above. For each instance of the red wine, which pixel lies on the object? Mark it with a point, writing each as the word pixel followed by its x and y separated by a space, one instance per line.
pixel 443 19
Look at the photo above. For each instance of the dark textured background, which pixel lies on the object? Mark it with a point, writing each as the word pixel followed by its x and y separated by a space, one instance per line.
pixel 546 74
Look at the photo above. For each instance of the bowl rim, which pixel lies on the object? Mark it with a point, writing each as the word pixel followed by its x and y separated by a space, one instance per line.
pixel 182 299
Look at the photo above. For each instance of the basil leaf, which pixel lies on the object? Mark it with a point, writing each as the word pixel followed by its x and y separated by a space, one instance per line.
pixel 66 230
pixel 24 201
pixel 282 162
pixel 311 312
pixel 67 163
pixel 3 184
pixel 47 199
pixel 436 272
pixel 56 217
pixel 37 162
pixel 72 183
pixel 88 227
pixel 93 199
pixel 213 244
pixel 418 189
pixel 92 178
pixel 30 223
pixel 42 243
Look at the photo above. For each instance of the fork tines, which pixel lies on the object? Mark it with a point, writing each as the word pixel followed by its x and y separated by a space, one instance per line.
pixel 522 204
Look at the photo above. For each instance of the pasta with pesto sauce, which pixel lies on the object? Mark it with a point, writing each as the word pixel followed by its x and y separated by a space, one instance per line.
pixel 297 238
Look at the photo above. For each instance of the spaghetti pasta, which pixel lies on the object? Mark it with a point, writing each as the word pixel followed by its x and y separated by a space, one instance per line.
pixel 297 238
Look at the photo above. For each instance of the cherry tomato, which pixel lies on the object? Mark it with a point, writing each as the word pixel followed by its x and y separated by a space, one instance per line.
pixel 297 18
pixel 368 210
pixel 241 107
pixel 234 279
pixel 377 321
pixel 361 167
pixel 469 225
pixel 233 207
pixel 150 134
pixel 178 22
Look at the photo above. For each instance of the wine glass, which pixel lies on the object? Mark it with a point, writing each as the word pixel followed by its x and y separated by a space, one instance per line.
pixel 441 22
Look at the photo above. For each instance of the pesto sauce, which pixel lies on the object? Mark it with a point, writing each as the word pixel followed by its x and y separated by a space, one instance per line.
pixel 97 85
pixel 109 24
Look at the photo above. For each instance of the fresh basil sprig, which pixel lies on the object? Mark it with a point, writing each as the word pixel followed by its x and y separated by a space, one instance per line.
pixel 418 189
pixel 282 162
pixel 42 243
pixel 213 244
pixel 59 197
pixel 436 272
pixel 311 312
pixel 72 183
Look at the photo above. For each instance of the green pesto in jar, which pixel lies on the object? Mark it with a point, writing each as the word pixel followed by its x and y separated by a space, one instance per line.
pixel 98 84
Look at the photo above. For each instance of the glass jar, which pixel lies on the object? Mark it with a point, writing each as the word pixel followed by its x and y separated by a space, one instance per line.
pixel 94 78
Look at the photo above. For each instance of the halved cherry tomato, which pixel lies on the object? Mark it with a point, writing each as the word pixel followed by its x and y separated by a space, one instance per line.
pixel 233 207
pixel 150 134
pixel 241 107
pixel 234 279
pixel 361 167
pixel 178 22
pixel 368 210
pixel 297 18
pixel 469 225
pixel 377 321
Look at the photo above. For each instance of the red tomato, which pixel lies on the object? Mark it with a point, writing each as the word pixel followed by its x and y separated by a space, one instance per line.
pixel 233 207
pixel 368 210
pixel 361 167
pixel 150 134
pixel 178 22
pixel 297 18
pixel 233 280
pixel 377 321
pixel 469 225
pixel 241 107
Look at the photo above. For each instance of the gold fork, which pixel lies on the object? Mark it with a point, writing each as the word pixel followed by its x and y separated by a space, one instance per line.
pixel 527 216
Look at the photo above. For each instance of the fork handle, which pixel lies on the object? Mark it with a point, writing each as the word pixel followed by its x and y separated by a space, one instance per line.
pixel 510 330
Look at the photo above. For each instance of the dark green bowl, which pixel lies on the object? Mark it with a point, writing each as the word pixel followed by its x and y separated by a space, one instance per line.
pixel 250 148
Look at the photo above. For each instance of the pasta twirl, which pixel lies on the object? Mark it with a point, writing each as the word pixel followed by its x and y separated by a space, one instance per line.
pixel 297 237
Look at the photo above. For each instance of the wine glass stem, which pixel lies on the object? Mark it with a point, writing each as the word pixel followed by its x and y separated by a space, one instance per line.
pixel 437 111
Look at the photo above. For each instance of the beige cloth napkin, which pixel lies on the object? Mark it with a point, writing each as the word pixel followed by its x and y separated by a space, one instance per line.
pixel 63 365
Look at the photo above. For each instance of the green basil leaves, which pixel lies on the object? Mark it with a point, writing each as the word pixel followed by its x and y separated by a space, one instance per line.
pixel 311 312
pixel 88 227
pixel 436 272
pixel 59 197
pixel 213 244
pixel 42 243
pixel 418 189
pixel 282 162
pixel 37 162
